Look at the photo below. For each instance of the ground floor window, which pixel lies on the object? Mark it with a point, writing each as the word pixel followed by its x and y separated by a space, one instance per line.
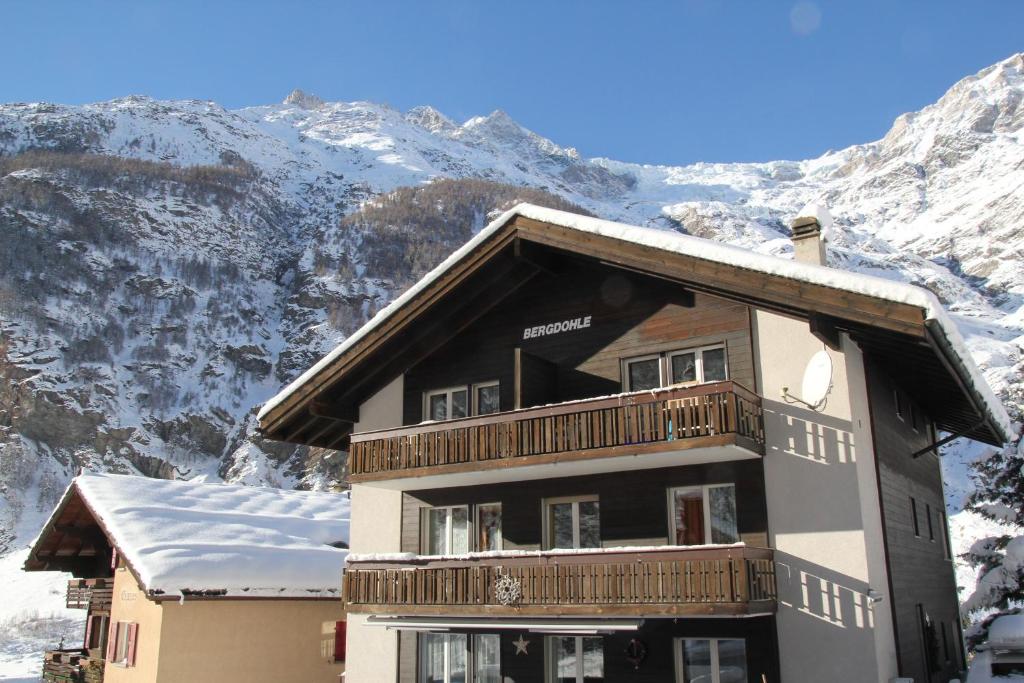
pixel 711 660
pixel 459 658
pixel 574 659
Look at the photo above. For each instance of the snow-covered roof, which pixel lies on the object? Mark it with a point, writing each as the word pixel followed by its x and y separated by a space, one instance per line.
pixel 858 283
pixel 221 539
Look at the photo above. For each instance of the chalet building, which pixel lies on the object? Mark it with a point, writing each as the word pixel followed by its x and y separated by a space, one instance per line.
pixel 586 451
pixel 185 582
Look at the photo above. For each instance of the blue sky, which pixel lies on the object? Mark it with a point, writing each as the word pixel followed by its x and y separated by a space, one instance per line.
pixel 657 82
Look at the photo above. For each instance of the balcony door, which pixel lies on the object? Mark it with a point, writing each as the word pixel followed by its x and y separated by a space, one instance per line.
pixel 459 658
pixel 703 514
pixel 711 660
pixel 446 530
pixel 573 522
pixel 574 659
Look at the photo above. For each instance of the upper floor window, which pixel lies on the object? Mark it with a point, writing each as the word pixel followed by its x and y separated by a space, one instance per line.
pixel 703 514
pixel 687 366
pixel 450 530
pixel 455 402
pixel 574 659
pixel 446 530
pixel 573 522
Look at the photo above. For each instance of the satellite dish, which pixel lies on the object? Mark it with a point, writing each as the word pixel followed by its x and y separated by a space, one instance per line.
pixel 817 379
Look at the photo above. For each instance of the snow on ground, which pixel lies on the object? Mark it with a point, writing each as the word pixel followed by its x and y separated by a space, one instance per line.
pixel 33 618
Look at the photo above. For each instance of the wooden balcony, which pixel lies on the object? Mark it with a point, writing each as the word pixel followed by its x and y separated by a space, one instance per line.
pixel 722 415
pixel 90 594
pixel 71 666
pixel 725 580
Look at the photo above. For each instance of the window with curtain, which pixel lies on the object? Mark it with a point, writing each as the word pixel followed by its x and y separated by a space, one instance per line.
pixel 703 514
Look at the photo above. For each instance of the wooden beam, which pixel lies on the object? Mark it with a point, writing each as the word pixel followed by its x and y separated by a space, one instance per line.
pixel 334 411
pixel 824 328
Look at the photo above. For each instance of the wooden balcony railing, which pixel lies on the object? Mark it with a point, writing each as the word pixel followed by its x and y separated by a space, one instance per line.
pixel 94 594
pixel 71 666
pixel 650 582
pixel 712 414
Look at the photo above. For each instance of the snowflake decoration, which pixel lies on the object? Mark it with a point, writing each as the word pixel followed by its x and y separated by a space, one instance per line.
pixel 507 590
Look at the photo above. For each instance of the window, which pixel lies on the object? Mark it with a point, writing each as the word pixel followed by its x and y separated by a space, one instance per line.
pixel 945 535
pixel 913 513
pixel 689 366
pixel 445 530
pixel 703 514
pixel 452 531
pixel 488 527
pixel 332 641
pixel 928 516
pixel 574 659
pixel 96 627
pixel 485 398
pixel 711 660
pixel 121 643
pixel 446 404
pixel 459 658
pixel 572 523
pixel 455 402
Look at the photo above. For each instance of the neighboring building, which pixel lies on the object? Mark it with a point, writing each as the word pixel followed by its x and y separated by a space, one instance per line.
pixel 585 451
pixel 186 582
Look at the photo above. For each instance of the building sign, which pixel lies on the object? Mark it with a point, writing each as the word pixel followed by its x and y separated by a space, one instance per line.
pixel 127 595
pixel 556 328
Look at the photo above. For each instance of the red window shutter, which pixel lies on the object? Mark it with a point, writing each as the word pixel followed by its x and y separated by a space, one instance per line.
pixel 113 559
pixel 133 635
pixel 112 641
pixel 88 632
pixel 339 641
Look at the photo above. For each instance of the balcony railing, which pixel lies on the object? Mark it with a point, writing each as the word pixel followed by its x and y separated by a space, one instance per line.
pixel 71 666
pixel 666 581
pixel 94 594
pixel 718 413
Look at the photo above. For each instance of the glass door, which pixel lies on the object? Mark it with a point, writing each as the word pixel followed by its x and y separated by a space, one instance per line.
pixel 446 530
pixel 574 659
pixel 573 523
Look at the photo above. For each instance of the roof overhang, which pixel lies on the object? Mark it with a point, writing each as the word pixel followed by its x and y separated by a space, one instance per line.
pixel 889 319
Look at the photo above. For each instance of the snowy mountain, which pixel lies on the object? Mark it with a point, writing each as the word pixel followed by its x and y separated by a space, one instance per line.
pixel 165 267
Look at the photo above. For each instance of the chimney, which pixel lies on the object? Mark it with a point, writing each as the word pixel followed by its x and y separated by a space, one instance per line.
pixel 811 230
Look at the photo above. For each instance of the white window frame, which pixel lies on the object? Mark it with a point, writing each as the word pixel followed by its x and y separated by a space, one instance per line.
pixel 471 655
pixel 448 391
pixel 550 664
pixel 547 536
pixel 716 673
pixel 698 355
pixel 475 523
pixel 665 365
pixel 636 359
pixel 121 638
pixel 448 527
pixel 706 502
pixel 474 399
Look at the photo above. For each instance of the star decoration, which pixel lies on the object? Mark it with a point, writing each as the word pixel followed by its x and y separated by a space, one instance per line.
pixel 521 645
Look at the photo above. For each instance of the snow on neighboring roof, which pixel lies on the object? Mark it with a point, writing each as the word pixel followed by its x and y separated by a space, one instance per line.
pixel 698 247
pixel 183 536
pixel 1006 632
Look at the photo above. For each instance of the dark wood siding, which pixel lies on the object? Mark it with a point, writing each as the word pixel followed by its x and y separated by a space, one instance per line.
pixel 919 569
pixel 657 636
pixel 630 316
pixel 634 505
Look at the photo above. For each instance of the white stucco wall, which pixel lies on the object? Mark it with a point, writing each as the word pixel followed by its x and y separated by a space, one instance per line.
pixel 824 519
pixel 372 652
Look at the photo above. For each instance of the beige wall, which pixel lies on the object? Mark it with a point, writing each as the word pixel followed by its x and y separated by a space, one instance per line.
pixel 243 641
pixel 376 528
pixel 823 513
pixel 248 641
pixel 131 604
